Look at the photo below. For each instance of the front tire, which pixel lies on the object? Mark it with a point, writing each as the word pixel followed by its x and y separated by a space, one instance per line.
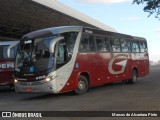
pixel 134 77
pixel 82 85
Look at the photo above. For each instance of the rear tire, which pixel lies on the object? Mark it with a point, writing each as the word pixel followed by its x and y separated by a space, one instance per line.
pixel 134 77
pixel 82 84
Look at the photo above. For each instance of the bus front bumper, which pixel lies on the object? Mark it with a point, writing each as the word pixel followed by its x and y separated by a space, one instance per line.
pixel 35 87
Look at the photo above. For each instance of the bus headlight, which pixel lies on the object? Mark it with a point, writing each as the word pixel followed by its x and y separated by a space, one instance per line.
pixel 51 78
pixel 48 79
pixel 15 81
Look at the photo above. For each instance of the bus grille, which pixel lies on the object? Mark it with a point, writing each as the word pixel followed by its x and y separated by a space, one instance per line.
pixel 32 83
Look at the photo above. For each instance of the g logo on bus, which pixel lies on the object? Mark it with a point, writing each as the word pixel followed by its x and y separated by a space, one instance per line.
pixel 121 63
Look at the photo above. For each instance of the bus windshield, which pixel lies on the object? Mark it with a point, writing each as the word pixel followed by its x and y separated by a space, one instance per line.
pixel 33 56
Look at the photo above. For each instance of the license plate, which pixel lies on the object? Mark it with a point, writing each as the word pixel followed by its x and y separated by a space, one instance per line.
pixel 28 89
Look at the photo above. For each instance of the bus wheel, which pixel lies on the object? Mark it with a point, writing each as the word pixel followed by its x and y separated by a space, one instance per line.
pixel 134 77
pixel 82 84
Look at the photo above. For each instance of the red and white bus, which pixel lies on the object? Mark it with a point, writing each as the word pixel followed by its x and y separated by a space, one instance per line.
pixel 7 54
pixel 75 58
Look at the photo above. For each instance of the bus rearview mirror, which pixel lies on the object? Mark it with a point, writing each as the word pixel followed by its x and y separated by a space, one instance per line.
pixel 53 43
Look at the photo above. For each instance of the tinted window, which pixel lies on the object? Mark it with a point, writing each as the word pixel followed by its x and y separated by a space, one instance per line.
pixel 143 46
pixel 115 45
pixel 13 52
pixel 5 51
pixel 100 42
pixel 1 52
pixel 65 48
pixel 35 54
pixel 125 45
pixel 87 44
pixel 70 39
pixel 107 44
pixel 135 47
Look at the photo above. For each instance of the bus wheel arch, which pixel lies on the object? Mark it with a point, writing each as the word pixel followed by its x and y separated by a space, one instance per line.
pixel 83 83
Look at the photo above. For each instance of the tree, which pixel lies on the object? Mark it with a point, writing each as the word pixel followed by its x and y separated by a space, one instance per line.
pixel 151 6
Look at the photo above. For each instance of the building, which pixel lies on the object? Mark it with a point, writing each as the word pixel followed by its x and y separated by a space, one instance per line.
pixel 19 17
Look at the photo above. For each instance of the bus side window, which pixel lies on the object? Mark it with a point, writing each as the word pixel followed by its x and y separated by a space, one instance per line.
pixel 91 43
pixel 5 47
pixel 125 45
pixel 13 52
pixel 115 45
pixel 107 44
pixel 61 59
pixel 65 48
pixel 143 46
pixel 70 39
pixel 84 45
pixel 1 52
pixel 100 42
pixel 135 47
pixel 87 44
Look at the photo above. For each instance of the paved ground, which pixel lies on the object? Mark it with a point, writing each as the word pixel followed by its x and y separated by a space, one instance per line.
pixel 143 96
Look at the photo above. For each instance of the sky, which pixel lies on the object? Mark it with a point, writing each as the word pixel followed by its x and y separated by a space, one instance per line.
pixel 125 17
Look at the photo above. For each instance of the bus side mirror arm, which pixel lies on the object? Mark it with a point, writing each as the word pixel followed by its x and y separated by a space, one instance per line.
pixel 53 43
pixel 9 49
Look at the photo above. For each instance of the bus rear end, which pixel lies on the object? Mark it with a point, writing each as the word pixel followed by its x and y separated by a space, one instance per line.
pixel 7 53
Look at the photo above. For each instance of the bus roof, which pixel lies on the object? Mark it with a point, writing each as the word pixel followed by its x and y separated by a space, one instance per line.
pixel 113 34
pixel 55 30
pixel 51 31
pixel 139 38
pixel 8 42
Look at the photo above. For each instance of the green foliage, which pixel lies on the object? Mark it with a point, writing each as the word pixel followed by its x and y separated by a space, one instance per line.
pixel 151 6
